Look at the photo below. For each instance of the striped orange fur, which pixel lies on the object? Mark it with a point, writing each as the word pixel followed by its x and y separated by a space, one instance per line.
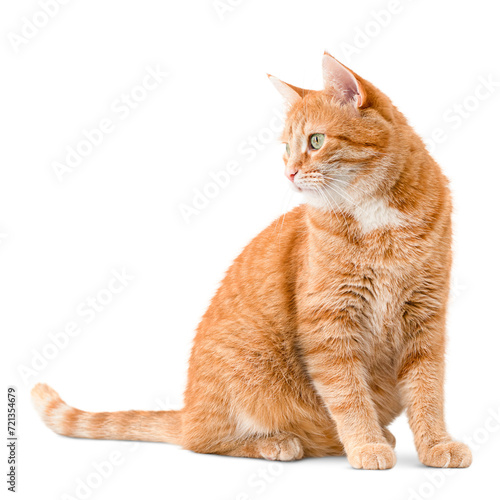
pixel 331 322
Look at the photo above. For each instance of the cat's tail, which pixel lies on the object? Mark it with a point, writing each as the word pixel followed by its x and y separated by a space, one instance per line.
pixel 160 426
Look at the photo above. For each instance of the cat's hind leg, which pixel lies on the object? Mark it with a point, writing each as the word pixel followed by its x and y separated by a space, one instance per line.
pixel 389 436
pixel 282 446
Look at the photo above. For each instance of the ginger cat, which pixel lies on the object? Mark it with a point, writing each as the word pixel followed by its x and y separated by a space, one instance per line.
pixel 317 339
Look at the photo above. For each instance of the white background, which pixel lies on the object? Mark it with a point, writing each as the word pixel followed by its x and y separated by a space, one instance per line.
pixel 121 208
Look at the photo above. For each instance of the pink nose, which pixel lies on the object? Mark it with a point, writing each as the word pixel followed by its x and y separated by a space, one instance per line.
pixel 291 173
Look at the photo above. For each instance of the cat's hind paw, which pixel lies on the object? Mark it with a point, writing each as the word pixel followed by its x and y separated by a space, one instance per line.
pixel 283 447
pixel 389 436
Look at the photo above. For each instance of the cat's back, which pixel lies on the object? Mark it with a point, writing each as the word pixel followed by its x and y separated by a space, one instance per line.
pixel 259 286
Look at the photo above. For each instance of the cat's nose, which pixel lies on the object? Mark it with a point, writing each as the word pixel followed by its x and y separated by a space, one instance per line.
pixel 291 173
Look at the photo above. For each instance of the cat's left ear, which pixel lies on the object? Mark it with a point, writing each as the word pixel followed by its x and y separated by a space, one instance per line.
pixel 291 93
pixel 341 82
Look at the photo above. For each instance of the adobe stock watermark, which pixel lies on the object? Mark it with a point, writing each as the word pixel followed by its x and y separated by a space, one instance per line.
pixel 33 24
pixel 365 34
pixel 259 481
pixel 86 312
pixel 223 7
pixel 457 288
pixel 436 478
pixel 246 152
pixel 101 470
pixel 457 114
pixel 121 108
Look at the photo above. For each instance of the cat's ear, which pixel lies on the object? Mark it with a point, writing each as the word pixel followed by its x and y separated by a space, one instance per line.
pixel 341 82
pixel 291 93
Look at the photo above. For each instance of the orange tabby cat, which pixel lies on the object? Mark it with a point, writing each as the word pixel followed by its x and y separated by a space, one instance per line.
pixel 317 339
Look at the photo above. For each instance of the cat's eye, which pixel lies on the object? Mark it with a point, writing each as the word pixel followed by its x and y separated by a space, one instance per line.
pixel 317 140
pixel 287 147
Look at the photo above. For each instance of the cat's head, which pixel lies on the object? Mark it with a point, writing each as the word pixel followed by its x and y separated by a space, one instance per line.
pixel 340 141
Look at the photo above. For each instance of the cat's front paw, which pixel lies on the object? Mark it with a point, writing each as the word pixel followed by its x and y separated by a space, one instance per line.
pixel 374 456
pixel 452 454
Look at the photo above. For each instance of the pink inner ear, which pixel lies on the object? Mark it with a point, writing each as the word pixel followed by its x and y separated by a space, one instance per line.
pixel 290 95
pixel 341 82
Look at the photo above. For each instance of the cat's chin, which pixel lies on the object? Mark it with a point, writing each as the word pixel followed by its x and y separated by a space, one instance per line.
pixel 313 198
pixel 325 199
pixel 305 189
pixel 316 202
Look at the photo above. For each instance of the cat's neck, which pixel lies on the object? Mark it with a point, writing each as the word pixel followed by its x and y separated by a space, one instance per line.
pixel 417 193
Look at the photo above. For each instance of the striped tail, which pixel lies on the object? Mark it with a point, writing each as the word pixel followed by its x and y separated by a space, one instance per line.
pixel 159 426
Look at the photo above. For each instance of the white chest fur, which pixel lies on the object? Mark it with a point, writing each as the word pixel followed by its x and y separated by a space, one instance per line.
pixel 375 214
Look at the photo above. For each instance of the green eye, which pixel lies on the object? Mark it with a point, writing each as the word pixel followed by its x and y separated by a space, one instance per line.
pixel 317 140
pixel 287 146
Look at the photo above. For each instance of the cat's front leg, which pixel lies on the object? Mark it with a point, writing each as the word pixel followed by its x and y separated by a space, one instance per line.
pixel 421 378
pixel 334 359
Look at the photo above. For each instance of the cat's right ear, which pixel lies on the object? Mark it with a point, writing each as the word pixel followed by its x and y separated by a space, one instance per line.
pixel 342 82
pixel 291 93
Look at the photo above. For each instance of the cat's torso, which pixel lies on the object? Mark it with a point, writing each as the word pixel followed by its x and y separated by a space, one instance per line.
pixel 250 342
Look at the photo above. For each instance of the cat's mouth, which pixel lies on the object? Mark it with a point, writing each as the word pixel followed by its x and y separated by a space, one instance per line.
pixel 308 187
pixel 309 182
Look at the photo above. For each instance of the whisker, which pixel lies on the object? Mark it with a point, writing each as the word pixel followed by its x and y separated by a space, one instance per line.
pixel 349 200
pixel 344 195
pixel 354 186
pixel 284 204
pixel 350 185
pixel 288 198
pixel 338 206
pixel 326 198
